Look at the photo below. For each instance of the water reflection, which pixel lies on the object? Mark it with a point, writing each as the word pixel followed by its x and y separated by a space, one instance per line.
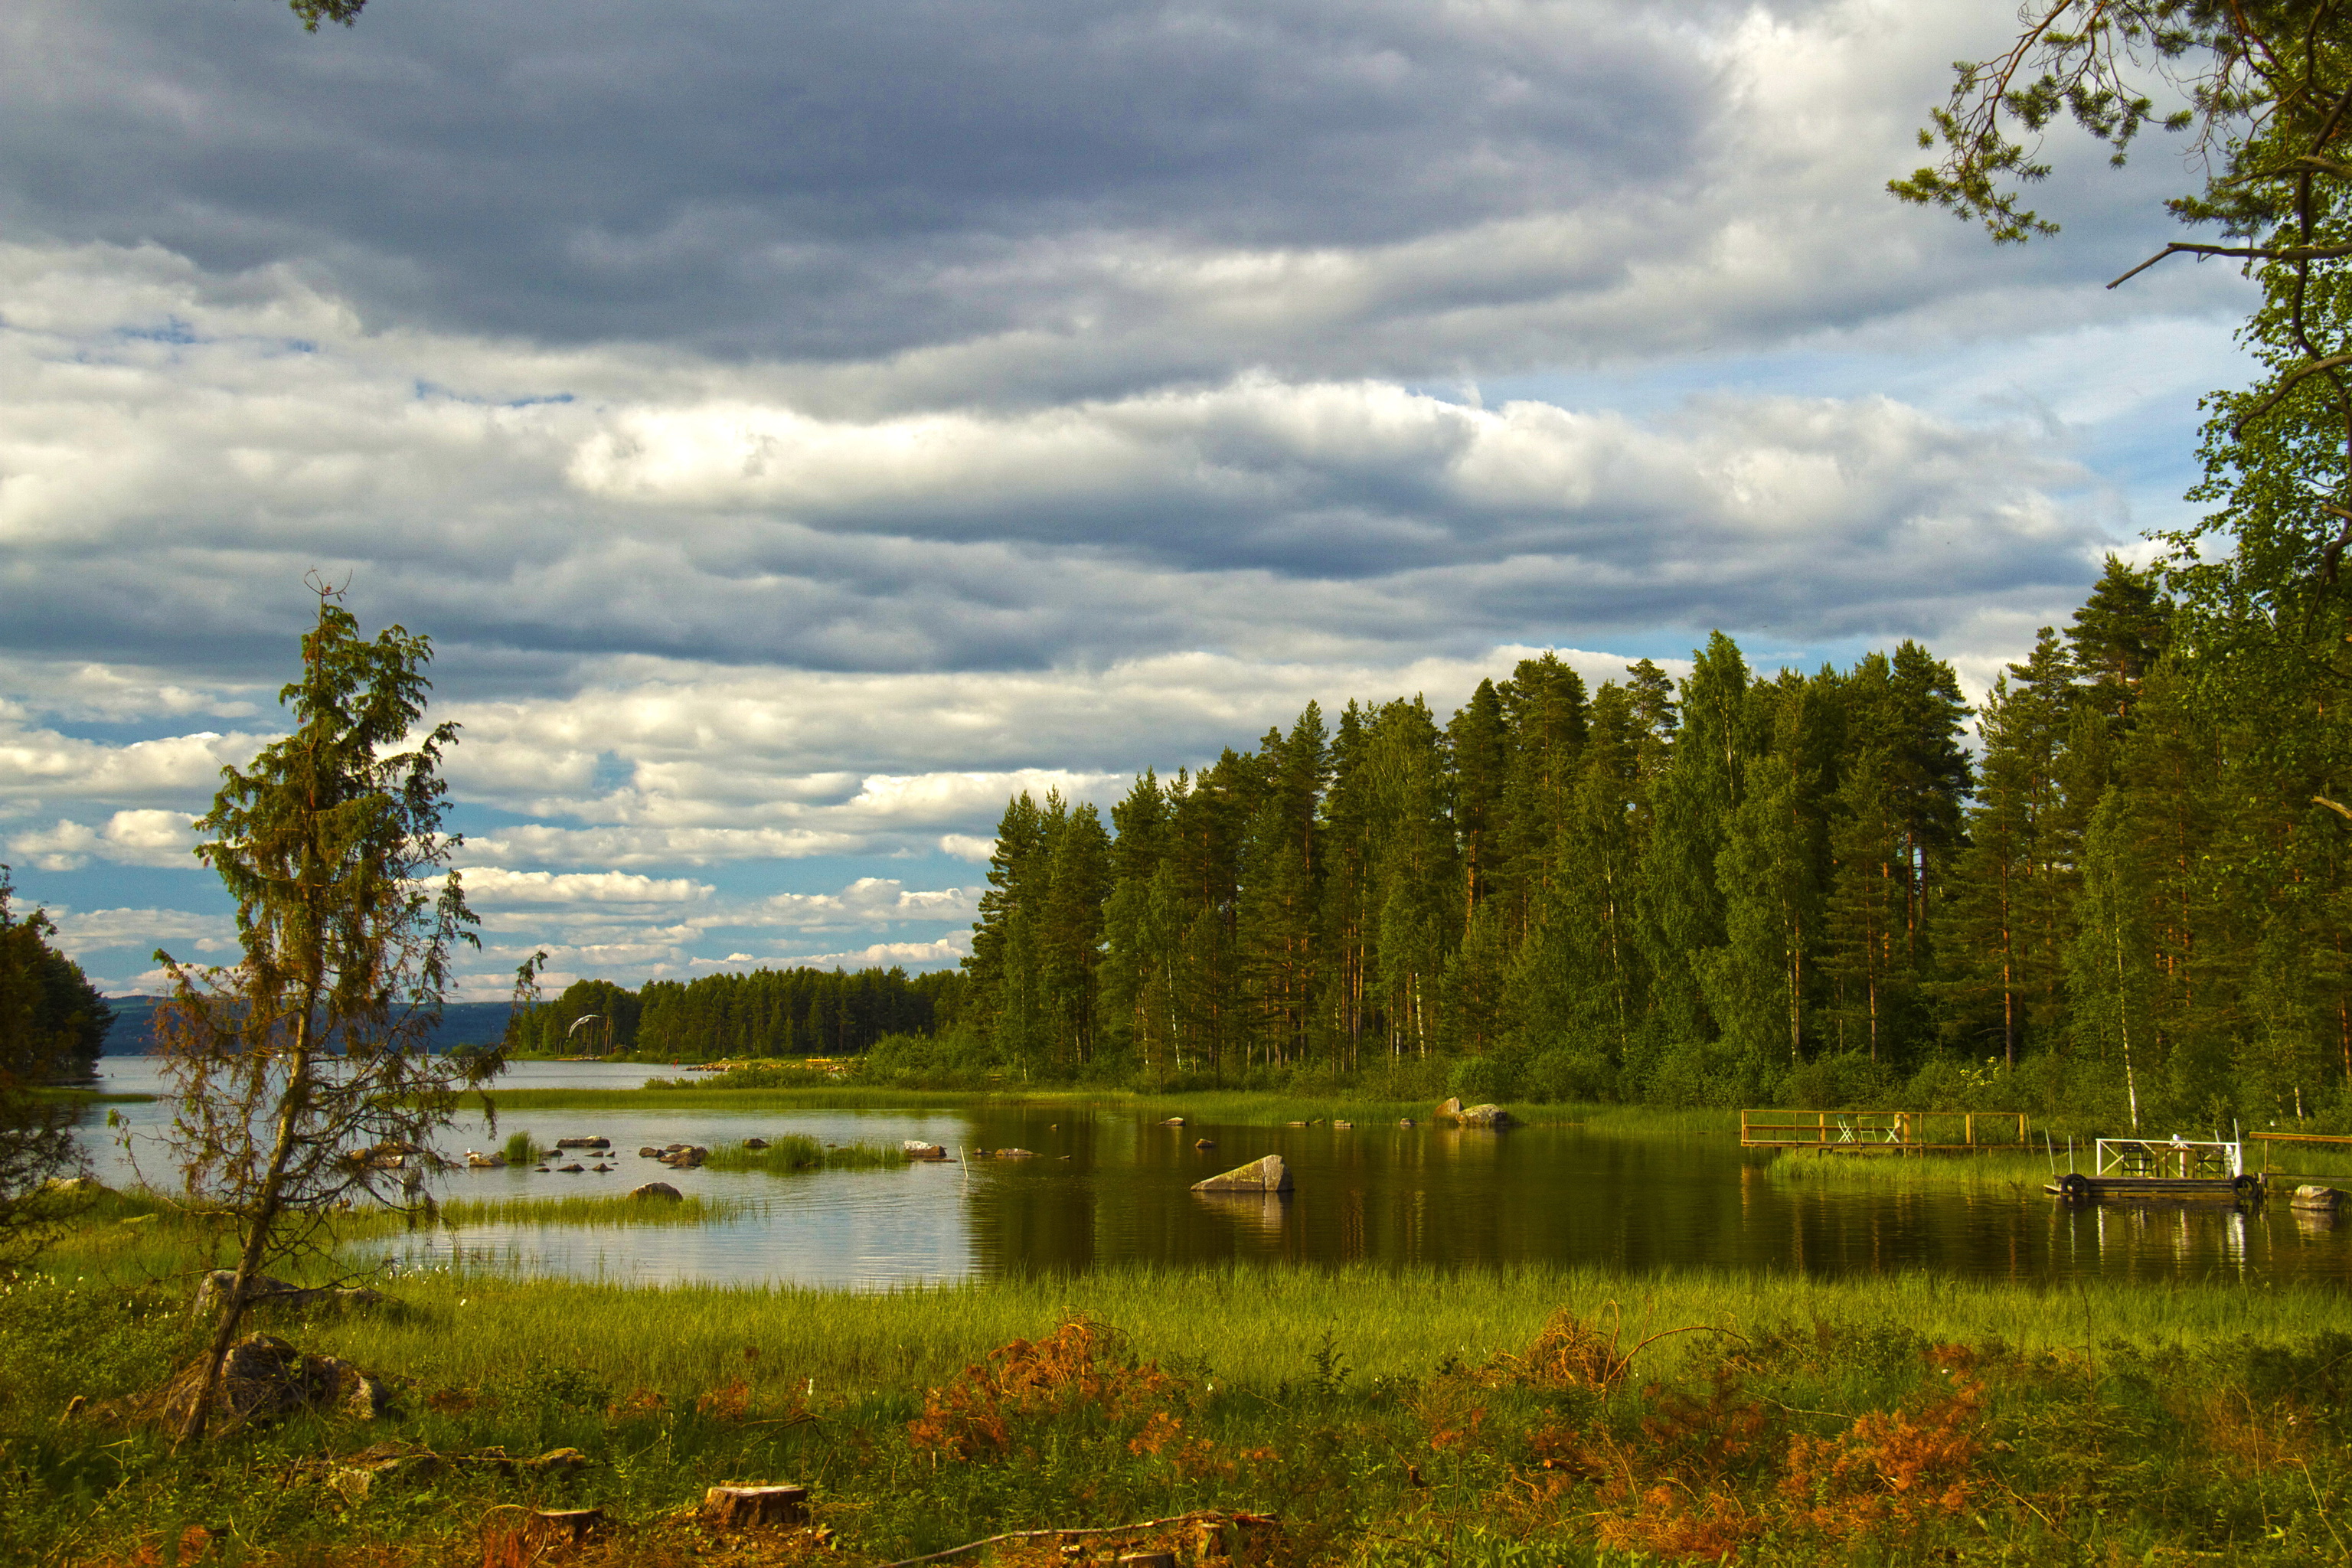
pixel 1109 1188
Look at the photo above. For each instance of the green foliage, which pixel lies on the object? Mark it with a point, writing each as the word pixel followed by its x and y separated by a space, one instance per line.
pixel 51 1024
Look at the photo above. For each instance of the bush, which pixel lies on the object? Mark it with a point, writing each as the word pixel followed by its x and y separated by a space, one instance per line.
pixel 1478 1080
pixel 1840 1081
pixel 1571 1075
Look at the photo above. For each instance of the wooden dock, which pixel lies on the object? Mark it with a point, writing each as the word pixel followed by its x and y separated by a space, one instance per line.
pixel 2075 1187
pixel 1886 1132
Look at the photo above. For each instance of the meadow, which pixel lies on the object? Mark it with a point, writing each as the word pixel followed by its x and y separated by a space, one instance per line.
pixel 1534 1415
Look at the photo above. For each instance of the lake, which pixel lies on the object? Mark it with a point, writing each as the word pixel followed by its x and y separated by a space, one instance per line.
pixel 1111 1186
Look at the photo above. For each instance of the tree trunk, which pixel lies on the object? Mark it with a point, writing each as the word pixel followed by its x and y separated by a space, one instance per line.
pixel 257 1239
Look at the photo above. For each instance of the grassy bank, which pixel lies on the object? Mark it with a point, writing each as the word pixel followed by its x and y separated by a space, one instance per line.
pixel 1232 1108
pixel 1386 1418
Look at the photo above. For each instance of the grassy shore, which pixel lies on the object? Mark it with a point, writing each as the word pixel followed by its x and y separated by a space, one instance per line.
pixel 1385 1417
pixel 1232 1108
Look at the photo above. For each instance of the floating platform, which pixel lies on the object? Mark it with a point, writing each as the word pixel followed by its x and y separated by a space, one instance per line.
pixel 2078 1188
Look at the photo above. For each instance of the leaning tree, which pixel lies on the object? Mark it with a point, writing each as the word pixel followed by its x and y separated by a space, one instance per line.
pixel 305 1075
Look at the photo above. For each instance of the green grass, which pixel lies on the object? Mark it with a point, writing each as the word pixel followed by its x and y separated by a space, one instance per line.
pixel 619 1209
pixel 1225 1106
pixel 1379 1414
pixel 796 1151
pixel 2020 1171
pixel 1999 1173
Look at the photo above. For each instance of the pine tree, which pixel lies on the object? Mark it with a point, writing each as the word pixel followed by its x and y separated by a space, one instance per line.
pixel 1683 902
pixel 2011 913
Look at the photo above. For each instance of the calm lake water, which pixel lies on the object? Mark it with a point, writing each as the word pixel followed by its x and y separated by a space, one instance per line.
pixel 1112 1187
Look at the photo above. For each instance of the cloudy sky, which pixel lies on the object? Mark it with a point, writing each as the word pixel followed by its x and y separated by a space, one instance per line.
pixel 801 427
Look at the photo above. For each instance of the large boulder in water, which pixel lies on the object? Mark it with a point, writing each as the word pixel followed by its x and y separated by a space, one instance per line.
pixel 1486 1116
pixel 1266 1175
pixel 661 1190
pixel 1448 1110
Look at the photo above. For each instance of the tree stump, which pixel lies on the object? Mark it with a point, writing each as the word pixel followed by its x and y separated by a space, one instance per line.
pixel 563 1527
pixel 743 1507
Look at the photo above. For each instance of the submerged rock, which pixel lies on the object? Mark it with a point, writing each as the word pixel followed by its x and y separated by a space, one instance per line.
pixel 1266 1175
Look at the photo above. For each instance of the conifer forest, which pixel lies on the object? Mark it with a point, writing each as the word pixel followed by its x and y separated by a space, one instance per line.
pixel 2118 886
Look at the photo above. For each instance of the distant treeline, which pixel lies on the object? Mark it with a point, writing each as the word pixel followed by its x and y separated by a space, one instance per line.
pixel 766 1013
pixel 132 1031
pixel 1733 889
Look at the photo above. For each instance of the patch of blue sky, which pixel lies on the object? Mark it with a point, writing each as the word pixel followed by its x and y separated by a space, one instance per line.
pixel 171 330
pixel 432 391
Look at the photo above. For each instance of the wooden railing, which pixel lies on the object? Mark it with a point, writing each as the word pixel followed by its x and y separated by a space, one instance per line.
pixel 1860 1131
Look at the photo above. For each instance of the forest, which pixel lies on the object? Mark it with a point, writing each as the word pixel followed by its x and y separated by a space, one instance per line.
pixel 2121 890
pixel 796 1012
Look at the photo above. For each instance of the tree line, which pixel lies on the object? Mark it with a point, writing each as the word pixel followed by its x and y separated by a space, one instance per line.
pixel 1732 887
pixel 799 1012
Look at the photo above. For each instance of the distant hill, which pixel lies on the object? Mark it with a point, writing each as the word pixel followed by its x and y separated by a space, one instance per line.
pixel 462 1024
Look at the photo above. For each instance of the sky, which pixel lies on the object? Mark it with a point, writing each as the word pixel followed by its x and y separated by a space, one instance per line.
pixel 799 429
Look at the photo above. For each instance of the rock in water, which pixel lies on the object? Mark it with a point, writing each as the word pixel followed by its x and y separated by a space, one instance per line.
pixel 2313 1196
pixel 755 1143
pixel 1486 1116
pixel 916 1149
pixel 661 1190
pixel 1448 1110
pixel 1266 1175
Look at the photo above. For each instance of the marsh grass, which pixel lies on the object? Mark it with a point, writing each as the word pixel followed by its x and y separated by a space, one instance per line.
pixel 2023 1172
pixel 1232 1108
pixel 795 1152
pixel 1994 1172
pixel 619 1209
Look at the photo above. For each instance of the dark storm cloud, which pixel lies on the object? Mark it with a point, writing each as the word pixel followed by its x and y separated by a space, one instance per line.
pixel 805 180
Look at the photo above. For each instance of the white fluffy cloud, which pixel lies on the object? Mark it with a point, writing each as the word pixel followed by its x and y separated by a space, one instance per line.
pixel 494 887
pixel 127 837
